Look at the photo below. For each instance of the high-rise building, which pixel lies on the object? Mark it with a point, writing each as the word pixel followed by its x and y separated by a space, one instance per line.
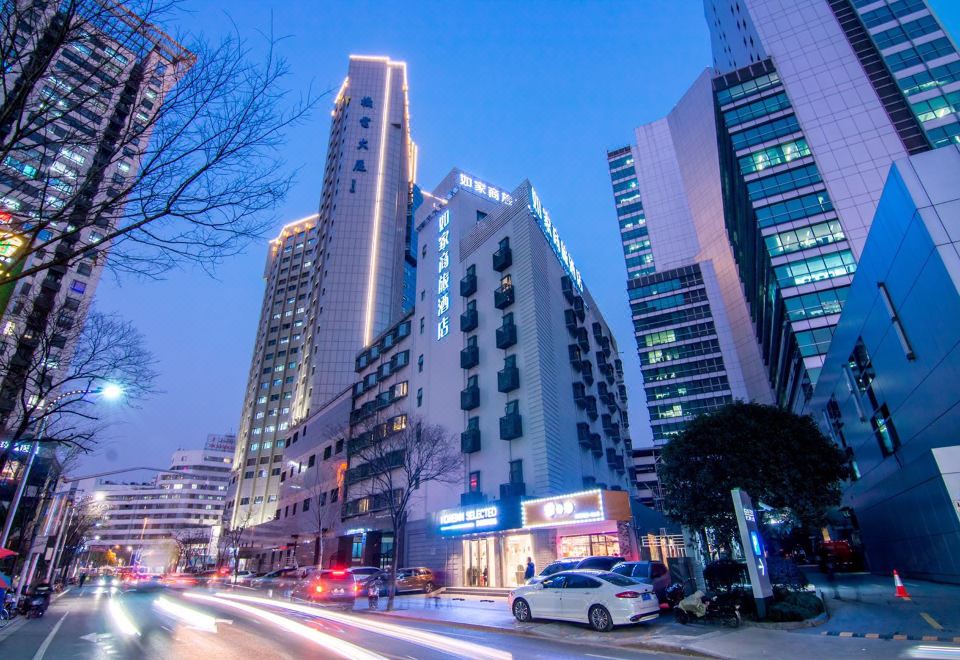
pixel 334 280
pixel 71 148
pixel 692 328
pixel 510 355
pixel 148 522
pixel 814 101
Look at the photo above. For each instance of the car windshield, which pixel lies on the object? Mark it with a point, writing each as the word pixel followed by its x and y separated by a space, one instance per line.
pixel 617 579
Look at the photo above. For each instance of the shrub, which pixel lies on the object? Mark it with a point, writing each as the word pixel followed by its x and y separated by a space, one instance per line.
pixel 795 606
pixel 785 574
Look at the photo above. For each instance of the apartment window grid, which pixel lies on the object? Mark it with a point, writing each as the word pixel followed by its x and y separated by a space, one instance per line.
pixel 637 252
pixel 793 211
pixel 923 60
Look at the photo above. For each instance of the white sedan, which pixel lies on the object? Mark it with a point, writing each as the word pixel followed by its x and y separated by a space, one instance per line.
pixel 600 598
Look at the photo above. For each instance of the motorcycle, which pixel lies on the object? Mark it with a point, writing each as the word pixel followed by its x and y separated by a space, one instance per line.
pixel 698 607
pixel 373 594
pixel 35 603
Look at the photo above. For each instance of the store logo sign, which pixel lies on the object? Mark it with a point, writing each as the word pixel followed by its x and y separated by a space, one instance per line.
pixel 569 509
pixel 549 230
pixel 466 520
pixel 443 275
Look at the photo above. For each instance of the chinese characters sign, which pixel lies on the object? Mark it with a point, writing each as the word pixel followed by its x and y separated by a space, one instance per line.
pixel 443 275
pixel 478 187
pixel 553 238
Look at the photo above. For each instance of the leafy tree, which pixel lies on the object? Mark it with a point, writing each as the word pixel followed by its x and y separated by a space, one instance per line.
pixel 779 458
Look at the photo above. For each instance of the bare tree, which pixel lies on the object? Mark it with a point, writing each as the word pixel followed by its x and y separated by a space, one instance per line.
pixel 51 371
pixel 169 152
pixel 78 531
pixel 392 465
pixel 191 544
pixel 234 536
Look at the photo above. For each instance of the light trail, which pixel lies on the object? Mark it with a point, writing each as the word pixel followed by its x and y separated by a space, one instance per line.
pixel 328 642
pixel 122 620
pixel 187 615
pixel 408 634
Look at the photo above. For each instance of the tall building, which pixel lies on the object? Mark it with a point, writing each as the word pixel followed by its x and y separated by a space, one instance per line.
pixel 887 393
pixel 347 275
pixel 814 101
pixel 70 149
pixel 145 522
pixel 692 327
pixel 508 352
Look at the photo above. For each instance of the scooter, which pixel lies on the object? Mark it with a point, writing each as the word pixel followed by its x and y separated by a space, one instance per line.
pixel 698 607
pixel 373 594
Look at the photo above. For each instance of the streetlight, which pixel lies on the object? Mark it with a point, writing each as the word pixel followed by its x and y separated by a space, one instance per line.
pixel 109 390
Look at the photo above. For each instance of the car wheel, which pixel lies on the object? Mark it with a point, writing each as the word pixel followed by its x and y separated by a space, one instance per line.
pixel 521 611
pixel 429 587
pixel 600 619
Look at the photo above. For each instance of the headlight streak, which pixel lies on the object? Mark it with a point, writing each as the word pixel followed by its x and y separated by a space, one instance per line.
pixel 328 642
pixel 121 619
pixel 421 637
pixel 189 616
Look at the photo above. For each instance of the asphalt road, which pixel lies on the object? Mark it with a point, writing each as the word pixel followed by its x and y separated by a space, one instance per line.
pixel 99 623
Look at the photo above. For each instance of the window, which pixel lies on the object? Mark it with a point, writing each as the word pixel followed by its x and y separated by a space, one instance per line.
pixel 421 325
pixel 756 109
pixel 419 397
pixel 773 156
pixel 794 209
pixel 334 494
pixel 327 452
pixel 312 460
pixel 420 364
pixel 814 269
pixel 884 431
pixel 78 286
pixel 340 444
pixel 306 505
pixel 474 482
pixel 576 581
pixel 794 240
pixel 516 471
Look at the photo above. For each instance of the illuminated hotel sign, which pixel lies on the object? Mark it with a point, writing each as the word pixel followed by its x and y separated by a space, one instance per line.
pixel 553 238
pixel 478 187
pixel 443 275
pixel 572 509
pixel 465 520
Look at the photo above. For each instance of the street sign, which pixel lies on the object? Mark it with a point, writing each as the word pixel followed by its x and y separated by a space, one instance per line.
pixel 753 550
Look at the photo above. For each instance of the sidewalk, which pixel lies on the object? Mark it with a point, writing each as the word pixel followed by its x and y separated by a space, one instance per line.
pixel 748 643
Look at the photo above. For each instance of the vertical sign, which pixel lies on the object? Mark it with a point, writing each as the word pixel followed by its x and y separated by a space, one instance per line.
pixel 553 238
pixel 443 275
pixel 753 550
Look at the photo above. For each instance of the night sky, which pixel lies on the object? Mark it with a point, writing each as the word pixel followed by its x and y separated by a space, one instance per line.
pixel 505 90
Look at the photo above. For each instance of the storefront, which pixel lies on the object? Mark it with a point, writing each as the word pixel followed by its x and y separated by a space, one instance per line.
pixel 486 538
pixel 588 523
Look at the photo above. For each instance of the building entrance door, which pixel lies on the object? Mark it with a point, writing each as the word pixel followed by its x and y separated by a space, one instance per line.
pixel 516 549
pixel 478 562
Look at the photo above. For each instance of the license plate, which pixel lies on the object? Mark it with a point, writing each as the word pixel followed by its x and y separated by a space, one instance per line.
pixel 338 591
pixel 647 596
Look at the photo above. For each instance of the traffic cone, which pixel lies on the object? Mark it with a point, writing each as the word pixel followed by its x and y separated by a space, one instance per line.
pixel 901 591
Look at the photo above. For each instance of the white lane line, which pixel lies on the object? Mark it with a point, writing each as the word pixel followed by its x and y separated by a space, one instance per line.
pixel 46 643
pixel 593 655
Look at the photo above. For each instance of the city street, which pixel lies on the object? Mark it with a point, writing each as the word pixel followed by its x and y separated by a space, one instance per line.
pixel 97 622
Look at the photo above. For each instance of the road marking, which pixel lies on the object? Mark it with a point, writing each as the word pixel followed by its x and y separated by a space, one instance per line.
pixel 609 657
pixel 933 622
pixel 846 634
pixel 46 643
pixel 899 636
pixel 872 636
pixel 929 638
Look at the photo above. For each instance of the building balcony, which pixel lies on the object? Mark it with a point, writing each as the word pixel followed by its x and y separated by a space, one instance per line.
pixel 583 434
pixel 469 398
pixel 591 406
pixel 469 320
pixel 566 285
pixel 506 335
pixel 583 339
pixel 469 357
pixel 502 259
pixel 570 319
pixel 475 497
pixel 605 421
pixel 511 426
pixel 605 345
pixel 508 379
pixel 578 308
pixel 503 297
pixel 573 352
pixel 470 441
pixel 468 285
pixel 596 444
pixel 513 490
pixel 618 365
pixel 586 372
pixel 611 457
pixel 580 395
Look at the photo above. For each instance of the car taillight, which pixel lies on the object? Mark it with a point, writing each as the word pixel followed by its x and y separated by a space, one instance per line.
pixel 319 589
pixel 356 587
pixel 339 573
pixel 628 594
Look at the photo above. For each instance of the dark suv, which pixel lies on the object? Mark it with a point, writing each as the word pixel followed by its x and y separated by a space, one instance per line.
pixel 653 573
pixel 568 564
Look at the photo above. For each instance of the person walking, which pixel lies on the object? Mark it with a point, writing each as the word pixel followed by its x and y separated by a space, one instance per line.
pixel 83 578
pixel 531 569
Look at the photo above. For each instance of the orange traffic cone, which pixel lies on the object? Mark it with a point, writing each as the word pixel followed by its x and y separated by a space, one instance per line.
pixel 898 584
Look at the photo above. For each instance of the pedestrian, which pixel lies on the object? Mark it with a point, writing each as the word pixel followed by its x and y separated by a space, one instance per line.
pixel 83 578
pixel 531 569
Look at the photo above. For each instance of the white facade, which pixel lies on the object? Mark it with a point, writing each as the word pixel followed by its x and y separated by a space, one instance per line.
pixel 143 521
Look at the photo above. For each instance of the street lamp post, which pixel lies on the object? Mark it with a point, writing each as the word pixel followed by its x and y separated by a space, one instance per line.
pixel 109 391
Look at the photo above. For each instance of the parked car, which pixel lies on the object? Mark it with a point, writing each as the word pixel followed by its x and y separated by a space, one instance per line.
pixel 600 598
pixel 654 573
pixel 566 564
pixel 598 563
pixel 280 578
pixel 330 585
pixel 366 573
pixel 416 579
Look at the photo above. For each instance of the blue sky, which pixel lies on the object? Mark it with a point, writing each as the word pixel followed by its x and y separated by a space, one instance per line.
pixel 506 90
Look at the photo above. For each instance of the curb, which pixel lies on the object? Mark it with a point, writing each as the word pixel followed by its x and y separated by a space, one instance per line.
pixel 818 620
pixel 644 646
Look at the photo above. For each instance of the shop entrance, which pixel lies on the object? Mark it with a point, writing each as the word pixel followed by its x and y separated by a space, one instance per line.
pixel 590 545
pixel 479 562
pixel 516 549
